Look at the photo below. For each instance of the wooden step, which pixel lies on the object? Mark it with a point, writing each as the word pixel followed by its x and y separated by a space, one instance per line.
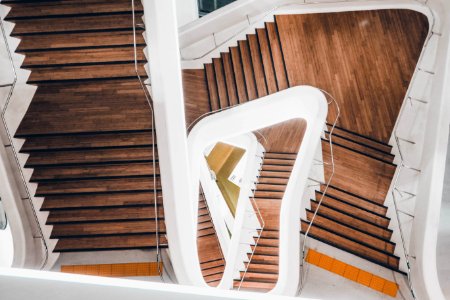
pixel 349 220
pixel 269 194
pixel 229 78
pixel 274 174
pixel 359 174
pixel 212 264
pixel 239 74
pixel 353 210
pixel 82 56
pixel 258 68
pixel 84 72
pixel 212 87
pixel 265 250
pixel 356 200
pixel 271 187
pixel 56 202
pixel 213 271
pixel 88 23
pixel 103 214
pixel 273 180
pixel 247 67
pixel 269 242
pixel 357 138
pixel 270 234
pixel 266 56
pixel 221 84
pixel 95 156
pixel 379 257
pixel 83 141
pixel 213 280
pixel 256 286
pixel 367 150
pixel 260 277
pixel 278 162
pixel 263 268
pixel 352 233
pixel 283 156
pixel 84 40
pixel 117 242
pixel 93 171
pixel 265 259
pixel 206 231
pixel 137 184
pixel 106 228
pixel 68 7
pixel 277 56
pixel 276 168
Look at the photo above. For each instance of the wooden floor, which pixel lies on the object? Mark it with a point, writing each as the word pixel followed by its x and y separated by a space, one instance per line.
pixel 366 60
pixel 88 129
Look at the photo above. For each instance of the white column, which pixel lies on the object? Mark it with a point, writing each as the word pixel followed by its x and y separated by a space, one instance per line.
pixel 165 69
pixel 187 11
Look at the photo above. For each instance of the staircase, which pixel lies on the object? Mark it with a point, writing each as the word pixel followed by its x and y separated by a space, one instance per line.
pixel 353 215
pixel 212 262
pixel 262 268
pixel 88 129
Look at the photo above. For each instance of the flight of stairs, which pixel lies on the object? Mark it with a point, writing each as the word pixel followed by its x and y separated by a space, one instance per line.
pixel 262 268
pixel 252 69
pixel 352 216
pixel 212 262
pixel 88 129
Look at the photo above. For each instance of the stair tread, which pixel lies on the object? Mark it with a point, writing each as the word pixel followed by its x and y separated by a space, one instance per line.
pixel 360 224
pixel 266 55
pixel 379 257
pixel 239 74
pixel 103 214
pixel 221 85
pixel 106 228
pixel 352 233
pixel 108 243
pixel 277 56
pixel 247 67
pixel 212 87
pixel 91 156
pixel 79 40
pixel 75 24
pixel 258 68
pixel 55 202
pixel 68 7
pixel 229 78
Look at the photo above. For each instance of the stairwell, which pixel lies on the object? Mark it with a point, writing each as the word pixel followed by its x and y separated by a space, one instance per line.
pixel 88 130
pixel 353 216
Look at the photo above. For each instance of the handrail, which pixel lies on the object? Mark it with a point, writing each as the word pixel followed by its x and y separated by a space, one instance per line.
pixel 11 144
pixel 159 258
pixel 403 165
pixel 268 13
pixel 330 141
pixel 262 224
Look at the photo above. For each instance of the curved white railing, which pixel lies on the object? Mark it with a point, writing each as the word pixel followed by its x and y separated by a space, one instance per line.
pixel 12 86
pixel 206 37
pixel 303 102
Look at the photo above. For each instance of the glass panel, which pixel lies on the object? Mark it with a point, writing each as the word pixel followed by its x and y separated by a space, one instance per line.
pixel 207 6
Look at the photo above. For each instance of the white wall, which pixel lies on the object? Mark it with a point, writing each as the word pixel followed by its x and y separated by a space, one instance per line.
pixel 187 11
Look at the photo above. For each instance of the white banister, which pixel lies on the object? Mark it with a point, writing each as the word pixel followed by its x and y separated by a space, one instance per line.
pixel 168 101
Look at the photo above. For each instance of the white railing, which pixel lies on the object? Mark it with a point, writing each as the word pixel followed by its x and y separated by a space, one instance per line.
pixel 403 164
pixel 12 86
pixel 331 101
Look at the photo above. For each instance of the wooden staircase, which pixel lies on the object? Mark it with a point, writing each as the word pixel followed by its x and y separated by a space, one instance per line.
pixel 212 262
pixel 262 269
pixel 352 216
pixel 88 129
